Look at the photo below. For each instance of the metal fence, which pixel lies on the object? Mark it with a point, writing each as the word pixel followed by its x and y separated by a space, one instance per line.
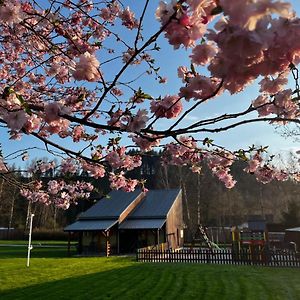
pixel 279 258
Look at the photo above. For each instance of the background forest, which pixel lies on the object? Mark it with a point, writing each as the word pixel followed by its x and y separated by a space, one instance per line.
pixel 205 199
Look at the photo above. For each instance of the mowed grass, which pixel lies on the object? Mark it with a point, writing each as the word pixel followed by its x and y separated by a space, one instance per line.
pixel 52 275
pixel 25 242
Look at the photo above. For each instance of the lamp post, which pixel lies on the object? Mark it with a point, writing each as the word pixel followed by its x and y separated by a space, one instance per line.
pixel 29 240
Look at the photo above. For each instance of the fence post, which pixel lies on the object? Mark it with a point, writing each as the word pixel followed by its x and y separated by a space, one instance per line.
pixel 207 256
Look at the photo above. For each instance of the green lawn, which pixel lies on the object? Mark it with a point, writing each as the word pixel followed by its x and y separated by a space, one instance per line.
pixel 52 275
pixel 25 242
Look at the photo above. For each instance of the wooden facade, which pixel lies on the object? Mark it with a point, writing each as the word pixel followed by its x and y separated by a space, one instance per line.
pixel 144 220
pixel 174 224
pixel 98 242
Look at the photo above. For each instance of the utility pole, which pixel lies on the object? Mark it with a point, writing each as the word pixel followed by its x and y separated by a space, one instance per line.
pixel 29 240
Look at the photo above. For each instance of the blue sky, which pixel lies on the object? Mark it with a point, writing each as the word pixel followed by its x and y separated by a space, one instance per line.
pixel 169 60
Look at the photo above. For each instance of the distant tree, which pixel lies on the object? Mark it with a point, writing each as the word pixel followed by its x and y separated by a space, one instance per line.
pixel 291 217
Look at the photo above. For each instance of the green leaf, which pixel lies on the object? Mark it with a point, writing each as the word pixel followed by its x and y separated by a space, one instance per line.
pixel 24 104
pixel 81 98
pixel 207 142
pixel 156 47
pixel 217 10
pixel 263 149
pixel 7 91
pixel 139 94
pixel 193 69
pixel 98 43
pixel 241 154
pixel 146 96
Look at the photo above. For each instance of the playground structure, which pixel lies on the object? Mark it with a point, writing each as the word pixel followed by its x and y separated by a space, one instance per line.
pixel 201 237
pixel 253 242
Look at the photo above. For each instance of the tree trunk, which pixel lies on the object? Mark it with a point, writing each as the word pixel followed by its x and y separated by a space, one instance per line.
pixel 11 214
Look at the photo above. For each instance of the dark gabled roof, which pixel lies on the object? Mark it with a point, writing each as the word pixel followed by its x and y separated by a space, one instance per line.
pixel 143 224
pixel 111 207
pixel 88 225
pixel 150 213
pixel 157 204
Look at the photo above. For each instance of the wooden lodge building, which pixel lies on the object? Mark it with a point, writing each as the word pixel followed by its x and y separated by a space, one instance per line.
pixel 124 222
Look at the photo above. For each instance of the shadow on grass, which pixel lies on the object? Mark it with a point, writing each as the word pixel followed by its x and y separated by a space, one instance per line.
pixel 133 282
pixel 36 252
pixel 163 281
pixel 112 284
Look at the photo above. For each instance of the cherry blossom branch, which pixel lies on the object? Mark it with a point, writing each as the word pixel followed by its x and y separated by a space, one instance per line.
pixel 140 25
pixel 225 128
pixel 151 40
pixel 196 105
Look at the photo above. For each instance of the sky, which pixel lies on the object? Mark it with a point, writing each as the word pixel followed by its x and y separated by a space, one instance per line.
pixel 169 60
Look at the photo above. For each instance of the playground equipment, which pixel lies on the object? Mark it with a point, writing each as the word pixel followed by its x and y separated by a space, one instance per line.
pixel 249 244
pixel 201 236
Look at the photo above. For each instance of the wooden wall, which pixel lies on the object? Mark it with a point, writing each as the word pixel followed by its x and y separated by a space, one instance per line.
pixel 175 224
pixel 94 242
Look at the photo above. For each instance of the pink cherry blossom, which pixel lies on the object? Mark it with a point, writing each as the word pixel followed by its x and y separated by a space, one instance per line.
pixel 94 170
pixel 119 159
pixel 10 12
pixel 54 187
pixel 110 12
pixel 52 111
pixel 117 181
pixel 199 87
pixel 44 166
pixel 137 122
pixel 33 123
pixel 15 120
pixel 128 19
pixel 273 86
pixel 53 88
pixel 87 68
pixel 202 54
pixel 189 24
pixel 115 118
pixel 130 185
pixel 3 167
pixel 78 133
pixel 169 107
pixel 68 166
pixel 264 174
pixel 281 176
pixel 254 163
pixel 144 143
pixel 247 13
pixel 184 74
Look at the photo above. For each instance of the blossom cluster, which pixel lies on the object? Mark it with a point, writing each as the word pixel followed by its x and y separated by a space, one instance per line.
pixel 58 193
pixel 185 24
pixel 169 107
pixel 64 78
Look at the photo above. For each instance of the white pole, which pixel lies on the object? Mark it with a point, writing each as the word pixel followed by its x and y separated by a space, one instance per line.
pixel 29 240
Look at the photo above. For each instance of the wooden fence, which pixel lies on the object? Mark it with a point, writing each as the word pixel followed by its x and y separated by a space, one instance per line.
pixel 279 258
